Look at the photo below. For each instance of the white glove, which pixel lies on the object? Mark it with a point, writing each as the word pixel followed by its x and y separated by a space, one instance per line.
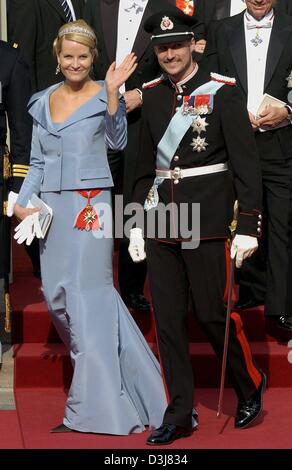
pixel 12 197
pixel 137 245
pixel 28 229
pixel 242 247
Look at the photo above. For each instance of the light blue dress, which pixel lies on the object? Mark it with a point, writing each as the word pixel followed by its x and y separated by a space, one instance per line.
pixel 117 386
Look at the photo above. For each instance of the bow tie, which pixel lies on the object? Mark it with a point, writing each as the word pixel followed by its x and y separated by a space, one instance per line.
pixel 268 24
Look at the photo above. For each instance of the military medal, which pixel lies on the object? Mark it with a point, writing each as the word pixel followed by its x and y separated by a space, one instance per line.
pixel 198 104
pixel 187 6
pixel 199 144
pixel 87 219
pixel 199 125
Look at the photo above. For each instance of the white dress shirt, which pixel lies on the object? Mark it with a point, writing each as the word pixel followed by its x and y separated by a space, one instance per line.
pixel 129 20
pixel 237 6
pixel 256 57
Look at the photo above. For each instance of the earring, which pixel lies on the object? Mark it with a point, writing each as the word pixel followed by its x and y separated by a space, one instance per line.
pixel 58 69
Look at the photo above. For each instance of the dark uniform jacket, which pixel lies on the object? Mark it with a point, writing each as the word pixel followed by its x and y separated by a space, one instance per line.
pixel 33 25
pixel 229 138
pixel 14 96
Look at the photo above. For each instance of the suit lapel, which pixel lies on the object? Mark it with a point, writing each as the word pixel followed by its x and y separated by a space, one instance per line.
pixel 236 38
pixel 143 39
pixel 77 9
pixel 57 6
pixel 109 12
pixel 278 40
pixel 222 9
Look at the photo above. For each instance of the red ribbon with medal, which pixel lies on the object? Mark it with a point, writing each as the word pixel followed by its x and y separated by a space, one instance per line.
pixel 87 219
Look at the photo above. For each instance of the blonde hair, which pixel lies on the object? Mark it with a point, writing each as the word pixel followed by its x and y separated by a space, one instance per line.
pixel 78 31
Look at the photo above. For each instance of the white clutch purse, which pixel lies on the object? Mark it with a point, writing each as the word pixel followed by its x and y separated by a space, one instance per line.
pixel 45 214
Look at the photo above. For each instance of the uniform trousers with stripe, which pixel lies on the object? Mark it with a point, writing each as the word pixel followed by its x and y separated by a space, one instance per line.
pixel 173 272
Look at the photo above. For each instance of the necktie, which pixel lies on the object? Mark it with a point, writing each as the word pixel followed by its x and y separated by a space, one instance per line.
pixel 66 8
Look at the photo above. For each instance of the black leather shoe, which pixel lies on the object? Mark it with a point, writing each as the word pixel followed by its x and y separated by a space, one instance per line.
pixel 61 428
pixel 137 302
pixel 166 434
pixel 247 303
pixel 250 409
pixel 285 323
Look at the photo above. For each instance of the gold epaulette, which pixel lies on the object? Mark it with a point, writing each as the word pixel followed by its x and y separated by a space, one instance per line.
pixel 20 170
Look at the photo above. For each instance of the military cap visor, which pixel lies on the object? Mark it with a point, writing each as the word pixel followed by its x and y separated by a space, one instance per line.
pixel 170 26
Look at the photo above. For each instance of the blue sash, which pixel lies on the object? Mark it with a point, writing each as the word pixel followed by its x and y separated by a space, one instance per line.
pixel 177 128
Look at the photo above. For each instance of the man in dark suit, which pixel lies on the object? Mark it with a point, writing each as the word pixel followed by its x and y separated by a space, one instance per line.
pixel 14 95
pixel 256 48
pixel 117 23
pixel 192 125
pixel 33 25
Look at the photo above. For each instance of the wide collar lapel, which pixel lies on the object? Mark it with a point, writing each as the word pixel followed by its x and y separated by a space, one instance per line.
pixel 40 109
pixel 222 9
pixel 95 105
pixel 109 13
pixel 57 6
pixel 279 36
pixel 236 39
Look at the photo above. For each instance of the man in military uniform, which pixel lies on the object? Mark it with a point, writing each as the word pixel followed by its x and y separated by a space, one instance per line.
pixel 197 145
pixel 14 96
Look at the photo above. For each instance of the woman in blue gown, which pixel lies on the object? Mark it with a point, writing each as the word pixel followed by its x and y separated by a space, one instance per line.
pixel 116 386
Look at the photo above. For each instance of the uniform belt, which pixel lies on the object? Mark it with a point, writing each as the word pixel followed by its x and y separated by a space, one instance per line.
pixel 178 173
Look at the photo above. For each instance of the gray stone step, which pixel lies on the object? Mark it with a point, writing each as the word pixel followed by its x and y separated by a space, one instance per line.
pixel 6 379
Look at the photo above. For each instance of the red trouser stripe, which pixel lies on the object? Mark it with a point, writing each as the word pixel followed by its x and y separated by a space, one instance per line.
pixel 252 370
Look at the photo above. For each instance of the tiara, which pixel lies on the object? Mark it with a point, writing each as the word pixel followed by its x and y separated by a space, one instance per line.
pixel 77 30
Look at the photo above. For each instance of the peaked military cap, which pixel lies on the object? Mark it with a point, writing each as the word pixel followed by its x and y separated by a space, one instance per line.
pixel 170 26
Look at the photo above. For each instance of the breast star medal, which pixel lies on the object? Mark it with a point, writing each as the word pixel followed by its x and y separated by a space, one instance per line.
pixel 199 144
pixel 199 125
